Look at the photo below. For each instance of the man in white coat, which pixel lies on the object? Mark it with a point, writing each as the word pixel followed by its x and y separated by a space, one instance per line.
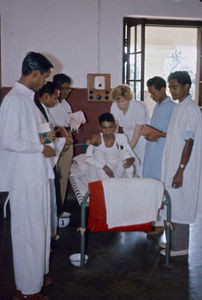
pixel 60 114
pixel 25 174
pixel 181 165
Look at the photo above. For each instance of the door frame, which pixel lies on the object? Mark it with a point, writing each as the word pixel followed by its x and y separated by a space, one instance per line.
pixel 130 22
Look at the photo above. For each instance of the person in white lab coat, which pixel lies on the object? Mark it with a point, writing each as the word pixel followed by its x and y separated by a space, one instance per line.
pixel 181 164
pixel 60 114
pixel 131 116
pixel 25 174
pixel 46 98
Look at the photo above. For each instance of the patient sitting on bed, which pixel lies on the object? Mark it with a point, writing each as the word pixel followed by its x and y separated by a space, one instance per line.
pixel 108 153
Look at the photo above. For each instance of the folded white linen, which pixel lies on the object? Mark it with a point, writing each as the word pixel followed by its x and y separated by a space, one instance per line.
pixel 76 119
pixel 131 201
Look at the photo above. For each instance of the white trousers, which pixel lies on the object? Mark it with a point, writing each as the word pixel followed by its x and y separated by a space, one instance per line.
pixel 95 174
pixel 30 233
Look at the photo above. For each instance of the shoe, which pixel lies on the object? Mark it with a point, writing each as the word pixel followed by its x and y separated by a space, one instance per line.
pixel 156 230
pixel 174 253
pixel 19 296
pixel 162 245
pixel 47 281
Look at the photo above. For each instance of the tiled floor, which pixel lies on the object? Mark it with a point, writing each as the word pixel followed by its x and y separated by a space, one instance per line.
pixel 120 266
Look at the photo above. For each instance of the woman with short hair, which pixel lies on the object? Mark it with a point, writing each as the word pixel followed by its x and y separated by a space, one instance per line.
pixel 131 116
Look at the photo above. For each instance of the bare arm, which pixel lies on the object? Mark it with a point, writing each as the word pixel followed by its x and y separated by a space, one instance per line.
pixel 108 171
pixel 93 143
pixel 186 153
pixel 136 135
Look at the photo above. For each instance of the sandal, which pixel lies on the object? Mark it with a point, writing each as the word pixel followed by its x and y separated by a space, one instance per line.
pixel 19 296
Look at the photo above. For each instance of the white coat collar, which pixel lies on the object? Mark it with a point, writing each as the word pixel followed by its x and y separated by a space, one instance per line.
pixel 24 89
pixel 165 100
pixel 187 99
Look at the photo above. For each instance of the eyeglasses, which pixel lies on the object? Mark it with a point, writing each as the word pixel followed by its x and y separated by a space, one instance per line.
pixel 66 89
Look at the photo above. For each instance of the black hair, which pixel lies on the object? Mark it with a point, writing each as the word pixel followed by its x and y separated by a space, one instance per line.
pixel 182 77
pixel 48 88
pixel 157 81
pixel 61 78
pixel 35 61
pixel 106 117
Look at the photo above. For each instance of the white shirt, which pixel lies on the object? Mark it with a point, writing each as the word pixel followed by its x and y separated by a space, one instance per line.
pixel 60 113
pixel 137 113
pixel 21 157
pixel 112 153
pixel 59 142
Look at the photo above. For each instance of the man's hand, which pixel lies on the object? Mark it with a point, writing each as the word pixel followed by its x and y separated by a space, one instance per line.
pixel 69 141
pixel 128 162
pixel 154 137
pixel 48 151
pixel 186 153
pixel 108 171
pixel 51 136
pixel 151 138
pixel 178 179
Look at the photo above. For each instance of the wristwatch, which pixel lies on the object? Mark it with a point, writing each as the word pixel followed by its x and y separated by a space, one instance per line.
pixel 182 166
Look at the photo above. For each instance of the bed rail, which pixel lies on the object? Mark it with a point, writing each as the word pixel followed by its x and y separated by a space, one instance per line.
pixel 83 201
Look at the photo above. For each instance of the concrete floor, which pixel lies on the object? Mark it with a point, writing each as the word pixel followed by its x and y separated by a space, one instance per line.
pixel 120 266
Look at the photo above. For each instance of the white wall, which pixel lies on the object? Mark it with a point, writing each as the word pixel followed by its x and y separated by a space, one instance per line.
pixel 79 36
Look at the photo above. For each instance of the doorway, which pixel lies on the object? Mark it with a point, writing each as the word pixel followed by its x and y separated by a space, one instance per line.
pixel 157 48
pixel 168 49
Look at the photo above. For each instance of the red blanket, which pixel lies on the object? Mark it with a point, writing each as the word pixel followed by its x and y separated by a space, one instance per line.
pixel 97 212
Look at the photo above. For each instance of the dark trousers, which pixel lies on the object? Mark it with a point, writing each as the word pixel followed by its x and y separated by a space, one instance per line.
pixel 180 237
pixel 57 192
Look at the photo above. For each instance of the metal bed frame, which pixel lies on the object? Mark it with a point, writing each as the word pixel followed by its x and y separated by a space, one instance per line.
pixel 84 205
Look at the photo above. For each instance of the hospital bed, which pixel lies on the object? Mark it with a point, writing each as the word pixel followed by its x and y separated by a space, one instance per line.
pixel 97 220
